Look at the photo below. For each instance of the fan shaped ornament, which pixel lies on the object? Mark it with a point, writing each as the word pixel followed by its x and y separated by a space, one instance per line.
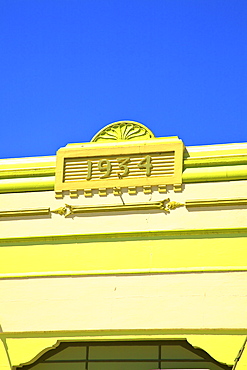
pixel 123 131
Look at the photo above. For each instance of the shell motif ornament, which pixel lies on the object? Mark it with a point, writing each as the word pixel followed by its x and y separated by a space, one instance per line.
pixel 123 131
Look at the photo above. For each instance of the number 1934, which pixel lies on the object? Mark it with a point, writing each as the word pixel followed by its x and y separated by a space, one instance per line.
pixel 105 167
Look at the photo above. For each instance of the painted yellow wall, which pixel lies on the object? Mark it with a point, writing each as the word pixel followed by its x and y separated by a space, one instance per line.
pixel 180 218
pixel 130 255
pixel 116 276
pixel 177 301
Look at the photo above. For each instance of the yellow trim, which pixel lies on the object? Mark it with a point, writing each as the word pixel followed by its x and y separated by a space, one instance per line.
pixel 215 202
pixel 217 150
pixel 27 167
pixel 190 175
pixel 224 162
pixel 58 274
pixel 124 334
pixel 27 184
pixel 33 172
pixel 112 150
pixel 54 256
pixel 26 212
pixel 129 235
pixel 215 161
pixel 27 163
pixel 210 174
pixel 164 205
pixel 123 130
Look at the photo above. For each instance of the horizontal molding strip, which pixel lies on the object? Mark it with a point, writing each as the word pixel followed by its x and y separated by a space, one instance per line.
pixel 27 167
pixel 27 184
pixel 190 175
pixel 133 235
pixel 26 212
pixel 67 210
pixel 149 271
pixel 122 334
pixel 216 202
pixel 203 155
pixel 48 169
pixel 164 205
pixel 231 160
pixel 30 172
pixel 212 174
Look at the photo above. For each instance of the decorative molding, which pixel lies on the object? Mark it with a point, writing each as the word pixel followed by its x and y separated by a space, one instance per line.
pixel 173 205
pixel 190 175
pixel 147 189
pixel 228 202
pixel 117 190
pixel 162 189
pixel 26 212
pixel 177 188
pixel 214 174
pixel 122 164
pixel 132 190
pixel 117 271
pixel 102 192
pixel 88 192
pixel 231 232
pixel 164 205
pixel 73 194
pixel 214 163
pixel 60 211
pixel 122 131
pixel 58 194
pixel 211 161
pixel 157 334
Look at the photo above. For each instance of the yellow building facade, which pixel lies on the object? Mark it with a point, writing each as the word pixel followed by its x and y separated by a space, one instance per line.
pixel 128 252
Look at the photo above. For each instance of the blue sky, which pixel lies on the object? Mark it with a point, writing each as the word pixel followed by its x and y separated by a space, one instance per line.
pixel 70 67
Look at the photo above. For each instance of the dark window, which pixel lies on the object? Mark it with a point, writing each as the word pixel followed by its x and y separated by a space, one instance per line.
pixel 177 354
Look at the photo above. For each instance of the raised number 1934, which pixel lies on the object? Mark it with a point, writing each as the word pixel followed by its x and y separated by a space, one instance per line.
pixel 105 167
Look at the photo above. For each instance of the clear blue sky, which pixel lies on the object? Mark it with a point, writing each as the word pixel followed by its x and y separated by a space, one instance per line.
pixel 70 67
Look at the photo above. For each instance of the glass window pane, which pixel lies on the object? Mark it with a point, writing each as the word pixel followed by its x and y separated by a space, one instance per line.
pixel 123 366
pixel 177 352
pixel 123 352
pixel 185 365
pixel 60 366
pixel 70 353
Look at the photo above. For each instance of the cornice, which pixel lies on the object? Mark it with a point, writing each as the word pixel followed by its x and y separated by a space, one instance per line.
pixel 190 175
pixel 224 162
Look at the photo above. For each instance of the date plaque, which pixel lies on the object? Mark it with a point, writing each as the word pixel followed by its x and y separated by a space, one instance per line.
pixel 114 164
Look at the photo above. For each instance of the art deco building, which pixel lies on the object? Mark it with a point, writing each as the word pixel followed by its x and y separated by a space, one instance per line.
pixel 125 253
